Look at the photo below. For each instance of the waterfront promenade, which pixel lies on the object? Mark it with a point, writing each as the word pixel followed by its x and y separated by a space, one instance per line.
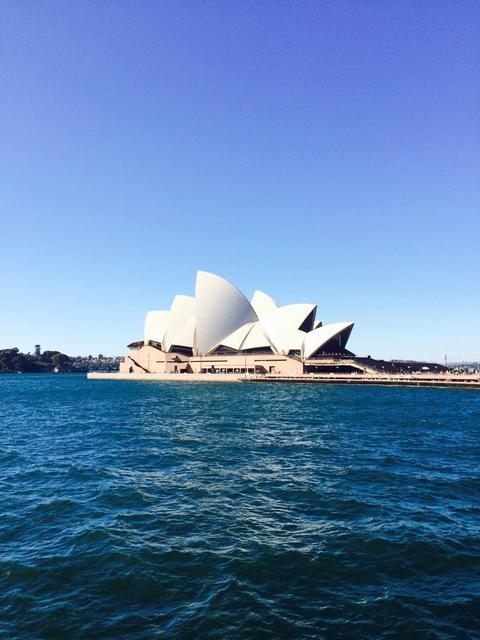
pixel 471 381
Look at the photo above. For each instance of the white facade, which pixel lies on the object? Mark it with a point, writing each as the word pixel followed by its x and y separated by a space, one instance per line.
pixel 181 323
pixel 220 309
pixel 219 316
pixel 156 323
pixel 316 339
pixel 263 303
pixel 282 326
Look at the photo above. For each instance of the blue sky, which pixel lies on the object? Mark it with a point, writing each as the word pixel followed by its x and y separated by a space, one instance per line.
pixel 324 152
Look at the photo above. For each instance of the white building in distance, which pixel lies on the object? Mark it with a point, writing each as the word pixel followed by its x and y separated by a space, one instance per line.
pixel 219 331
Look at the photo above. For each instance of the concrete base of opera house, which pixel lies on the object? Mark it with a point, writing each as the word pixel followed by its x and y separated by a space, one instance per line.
pixel 168 377
pixel 152 360
pixel 406 380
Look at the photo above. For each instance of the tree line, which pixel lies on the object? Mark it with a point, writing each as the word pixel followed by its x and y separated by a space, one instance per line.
pixel 14 361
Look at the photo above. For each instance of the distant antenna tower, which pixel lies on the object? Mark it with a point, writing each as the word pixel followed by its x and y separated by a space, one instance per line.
pixel 38 350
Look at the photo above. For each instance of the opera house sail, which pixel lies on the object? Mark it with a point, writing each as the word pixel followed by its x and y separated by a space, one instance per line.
pixel 218 330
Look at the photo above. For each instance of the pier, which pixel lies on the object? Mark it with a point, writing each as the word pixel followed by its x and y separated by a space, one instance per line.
pixel 464 381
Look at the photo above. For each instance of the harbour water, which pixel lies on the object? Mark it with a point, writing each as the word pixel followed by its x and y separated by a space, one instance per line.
pixel 147 510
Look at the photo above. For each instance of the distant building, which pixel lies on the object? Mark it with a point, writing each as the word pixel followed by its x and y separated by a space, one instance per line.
pixel 38 350
pixel 219 330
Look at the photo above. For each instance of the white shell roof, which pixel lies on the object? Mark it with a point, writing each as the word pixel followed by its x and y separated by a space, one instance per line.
pixel 219 314
pixel 263 303
pixel 220 309
pixel 315 339
pixel 182 309
pixel 184 337
pixel 156 323
pixel 235 339
pixel 281 326
pixel 256 339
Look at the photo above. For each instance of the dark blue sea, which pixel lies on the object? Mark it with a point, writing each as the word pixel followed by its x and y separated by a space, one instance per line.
pixel 143 510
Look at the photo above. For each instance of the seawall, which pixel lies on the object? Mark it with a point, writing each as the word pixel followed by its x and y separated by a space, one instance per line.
pixel 168 377
pixel 408 380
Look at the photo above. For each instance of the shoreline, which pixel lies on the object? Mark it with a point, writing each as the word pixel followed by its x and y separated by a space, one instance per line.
pixel 462 381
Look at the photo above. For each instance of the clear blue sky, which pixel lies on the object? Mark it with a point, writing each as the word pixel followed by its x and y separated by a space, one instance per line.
pixel 321 151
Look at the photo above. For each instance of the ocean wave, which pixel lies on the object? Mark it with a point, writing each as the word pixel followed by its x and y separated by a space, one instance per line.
pixel 237 511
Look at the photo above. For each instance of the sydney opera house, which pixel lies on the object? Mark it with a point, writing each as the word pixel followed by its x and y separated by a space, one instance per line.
pixel 218 330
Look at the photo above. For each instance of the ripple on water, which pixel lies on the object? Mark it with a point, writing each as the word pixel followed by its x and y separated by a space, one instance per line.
pixel 144 510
